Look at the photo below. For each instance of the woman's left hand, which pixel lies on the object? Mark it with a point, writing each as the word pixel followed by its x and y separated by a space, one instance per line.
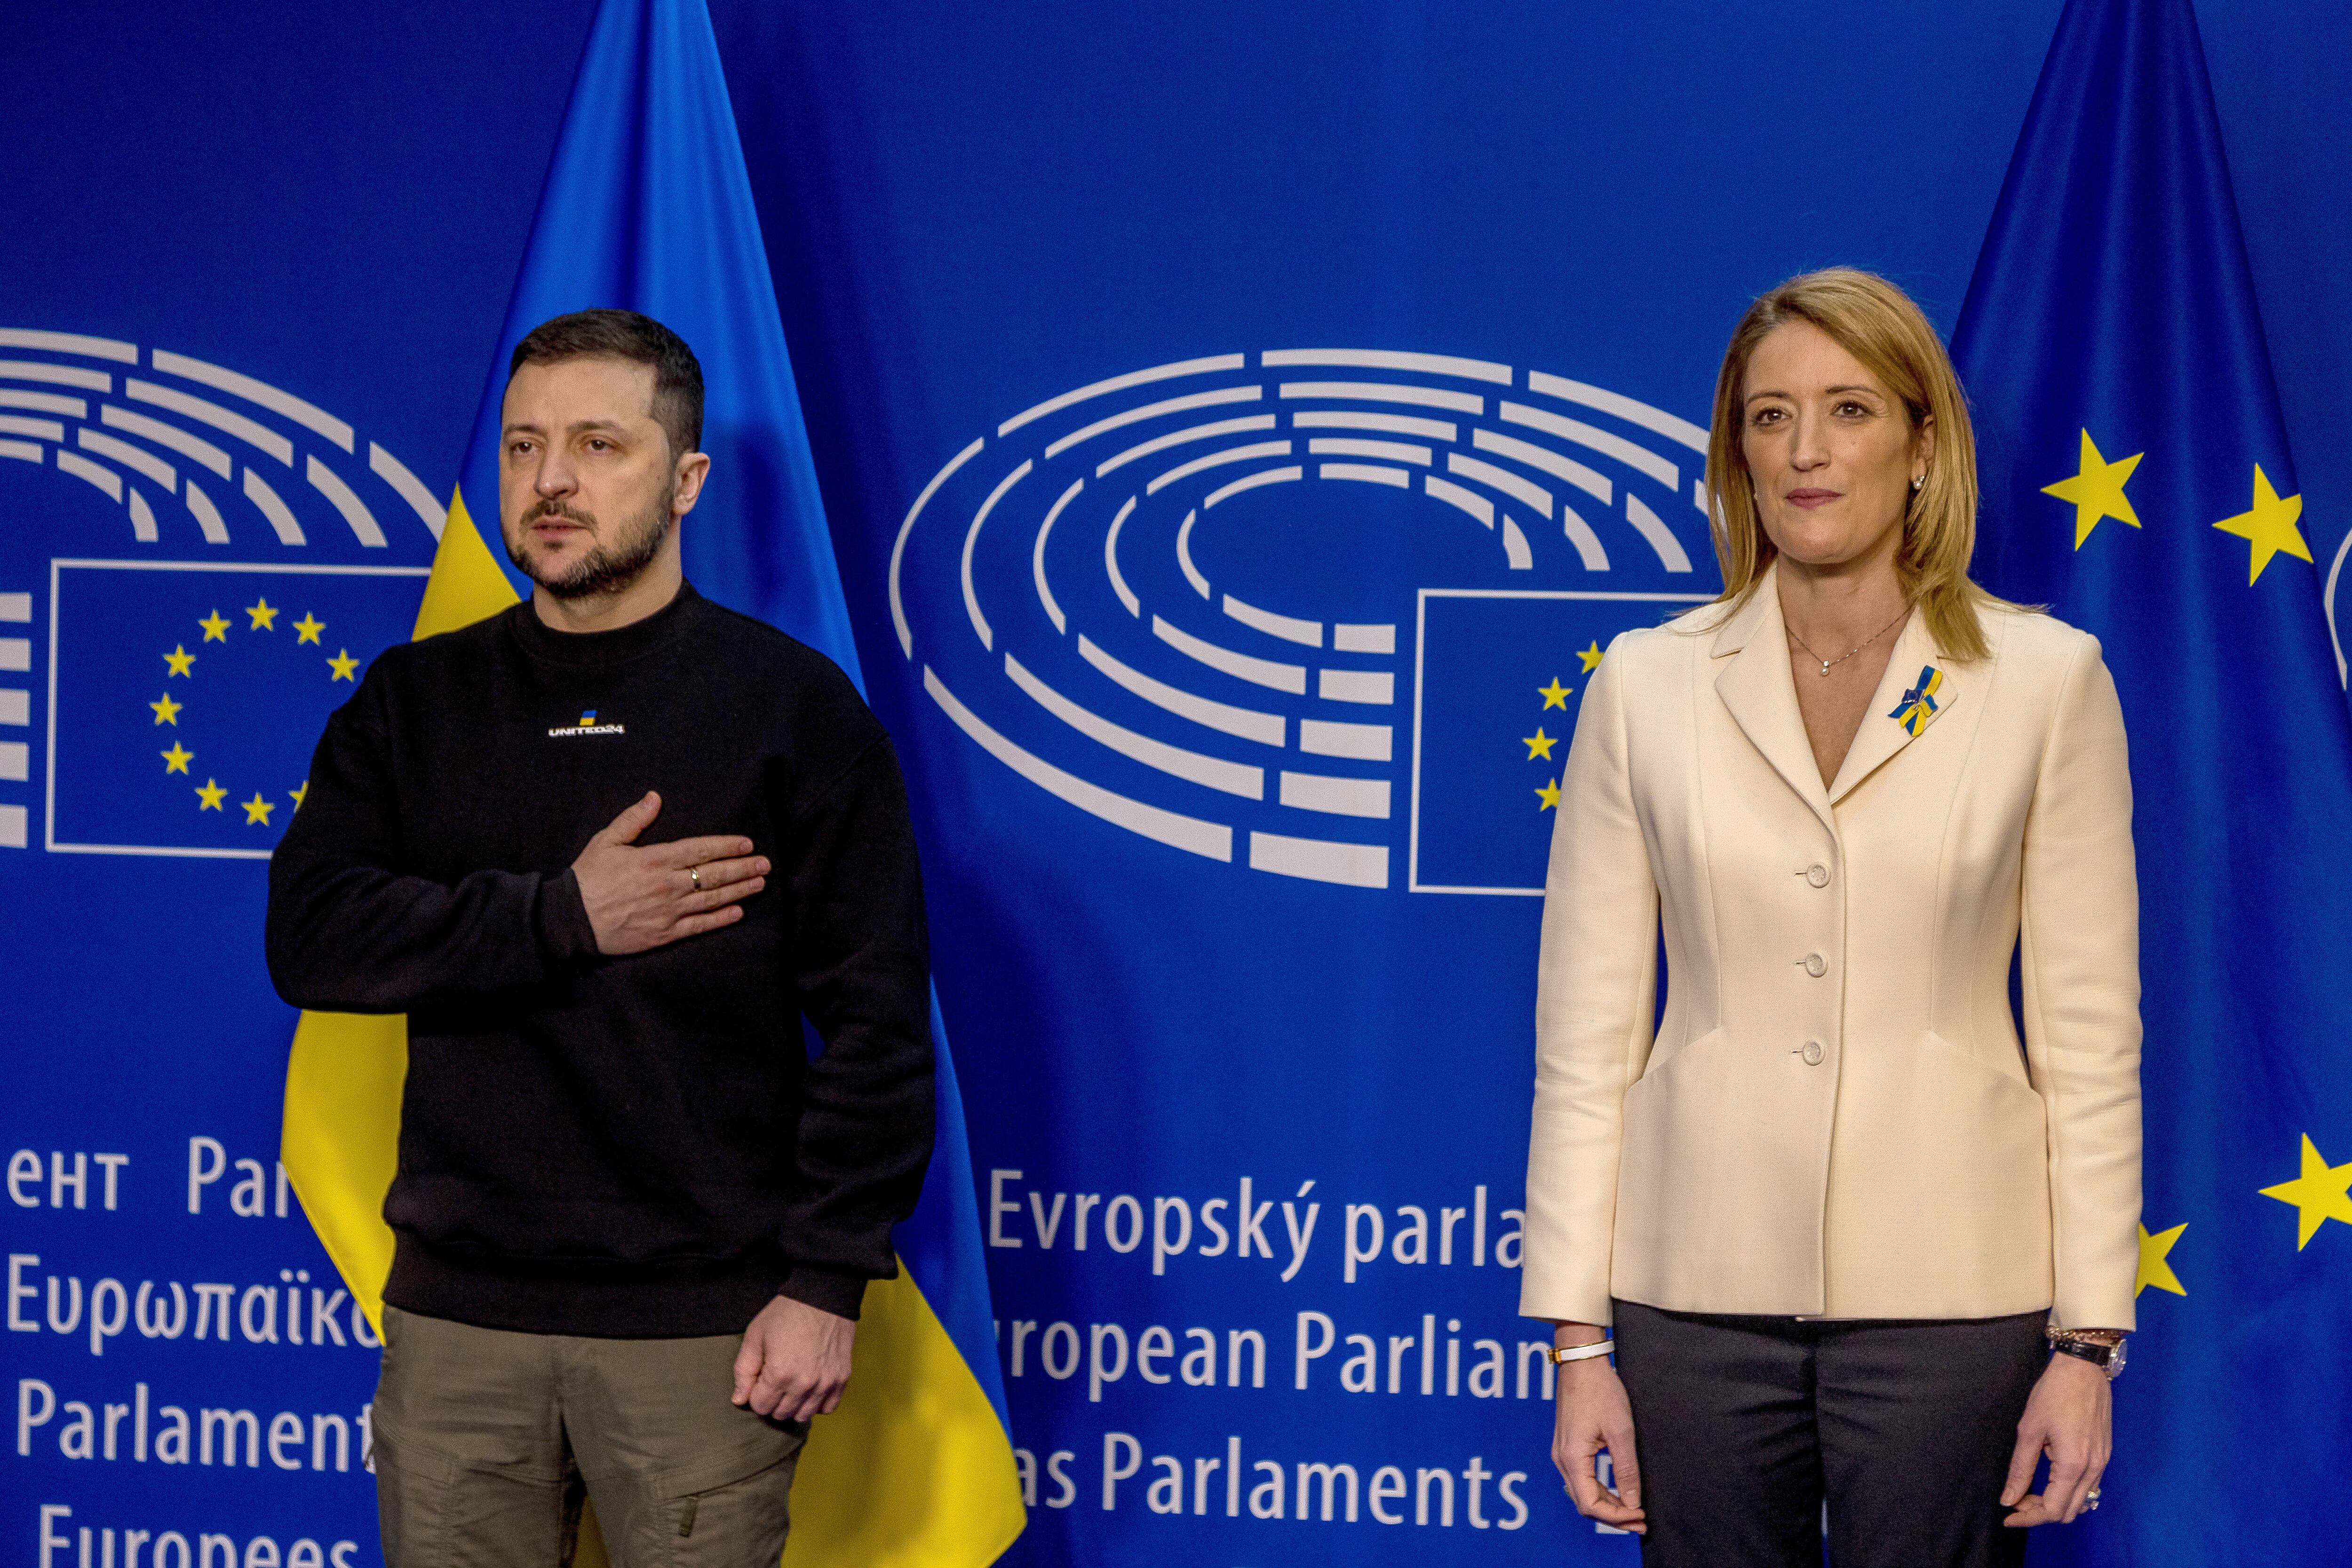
pixel 2071 1418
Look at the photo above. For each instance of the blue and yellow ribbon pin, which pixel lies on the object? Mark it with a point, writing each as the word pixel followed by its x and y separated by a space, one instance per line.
pixel 1917 708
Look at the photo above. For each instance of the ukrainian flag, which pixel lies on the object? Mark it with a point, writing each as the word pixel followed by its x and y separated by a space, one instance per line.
pixel 649 207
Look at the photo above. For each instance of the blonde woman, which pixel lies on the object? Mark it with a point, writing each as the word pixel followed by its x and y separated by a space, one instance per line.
pixel 1858 1243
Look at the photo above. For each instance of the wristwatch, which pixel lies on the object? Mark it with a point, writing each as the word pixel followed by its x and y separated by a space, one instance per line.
pixel 2108 1358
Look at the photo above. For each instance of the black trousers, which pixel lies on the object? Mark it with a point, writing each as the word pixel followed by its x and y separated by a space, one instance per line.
pixel 1744 1425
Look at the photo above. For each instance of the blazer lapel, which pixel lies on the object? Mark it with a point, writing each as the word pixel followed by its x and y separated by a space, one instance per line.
pixel 1883 732
pixel 1756 686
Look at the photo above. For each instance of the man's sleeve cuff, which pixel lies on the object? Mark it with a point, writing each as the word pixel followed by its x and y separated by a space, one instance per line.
pixel 839 1294
pixel 564 933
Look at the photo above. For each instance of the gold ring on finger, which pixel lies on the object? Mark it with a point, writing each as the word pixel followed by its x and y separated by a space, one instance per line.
pixel 696 872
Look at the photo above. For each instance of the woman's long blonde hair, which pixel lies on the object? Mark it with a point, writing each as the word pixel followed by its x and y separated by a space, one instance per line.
pixel 1875 322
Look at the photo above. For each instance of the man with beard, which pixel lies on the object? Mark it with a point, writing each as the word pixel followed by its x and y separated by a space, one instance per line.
pixel 633 1215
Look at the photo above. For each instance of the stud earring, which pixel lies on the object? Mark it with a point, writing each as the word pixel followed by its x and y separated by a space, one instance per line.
pixel 1917 482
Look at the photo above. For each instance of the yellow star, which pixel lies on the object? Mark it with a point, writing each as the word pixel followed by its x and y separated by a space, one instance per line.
pixel 257 811
pixel 265 615
pixel 1549 795
pixel 2269 525
pixel 215 629
pixel 1591 657
pixel 1539 744
pixel 1554 695
pixel 2153 1269
pixel 166 710
pixel 299 791
pixel 2097 491
pixel 211 796
pixel 176 760
pixel 342 663
pixel 306 629
pixel 181 661
pixel 2319 1194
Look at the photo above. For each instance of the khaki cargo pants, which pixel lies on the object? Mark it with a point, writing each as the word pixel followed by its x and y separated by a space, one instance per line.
pixel 487 1443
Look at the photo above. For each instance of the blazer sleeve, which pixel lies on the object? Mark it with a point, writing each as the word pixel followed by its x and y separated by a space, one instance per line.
pixel 1595 1012
pixel 2080 941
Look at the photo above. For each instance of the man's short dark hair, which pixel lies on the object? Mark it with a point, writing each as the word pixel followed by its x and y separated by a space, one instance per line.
pixel 641 340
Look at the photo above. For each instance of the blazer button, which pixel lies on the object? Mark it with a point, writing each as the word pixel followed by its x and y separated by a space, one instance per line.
pixel 1818 874
pixel 1812 1053
pixel 1816 966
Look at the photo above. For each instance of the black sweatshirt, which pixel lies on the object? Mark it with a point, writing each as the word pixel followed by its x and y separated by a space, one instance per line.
pixel 638 1146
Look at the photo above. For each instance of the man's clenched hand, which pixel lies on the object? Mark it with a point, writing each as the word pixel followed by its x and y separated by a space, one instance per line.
pixel 794 1361
pixel 648 896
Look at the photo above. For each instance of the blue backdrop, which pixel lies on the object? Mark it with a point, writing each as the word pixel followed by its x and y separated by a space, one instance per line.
pixel 1228 796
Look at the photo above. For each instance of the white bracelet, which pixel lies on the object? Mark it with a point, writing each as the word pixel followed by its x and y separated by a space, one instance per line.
pixel 1582 1351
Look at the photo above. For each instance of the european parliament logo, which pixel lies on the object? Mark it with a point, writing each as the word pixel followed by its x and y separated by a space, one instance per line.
pixel 152 452
pixel 1322 613
pixel 184 697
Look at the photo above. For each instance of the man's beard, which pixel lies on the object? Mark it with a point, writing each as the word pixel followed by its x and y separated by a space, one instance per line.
pixel 605 568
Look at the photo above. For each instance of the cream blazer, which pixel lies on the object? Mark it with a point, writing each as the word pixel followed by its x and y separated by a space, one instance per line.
pixel 1836 1117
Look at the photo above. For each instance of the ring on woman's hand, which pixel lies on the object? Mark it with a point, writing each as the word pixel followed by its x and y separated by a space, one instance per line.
pixel 696 872
pixel 2091 1500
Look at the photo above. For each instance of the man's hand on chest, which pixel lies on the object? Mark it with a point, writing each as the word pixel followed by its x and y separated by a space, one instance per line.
pixel 643 896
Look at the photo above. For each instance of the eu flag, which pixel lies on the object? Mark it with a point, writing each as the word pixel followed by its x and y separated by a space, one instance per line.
pixel 2136 480
pixel 1499 682
pixel 187 695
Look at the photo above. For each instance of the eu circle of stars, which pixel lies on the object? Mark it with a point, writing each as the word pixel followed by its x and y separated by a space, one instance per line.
pixel 180 666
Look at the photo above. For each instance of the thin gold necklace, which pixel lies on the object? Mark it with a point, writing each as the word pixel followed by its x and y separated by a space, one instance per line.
pixel 1850 653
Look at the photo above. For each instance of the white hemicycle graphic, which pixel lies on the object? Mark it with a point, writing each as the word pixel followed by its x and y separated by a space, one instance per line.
pixel 184 444
pixel 1266 732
